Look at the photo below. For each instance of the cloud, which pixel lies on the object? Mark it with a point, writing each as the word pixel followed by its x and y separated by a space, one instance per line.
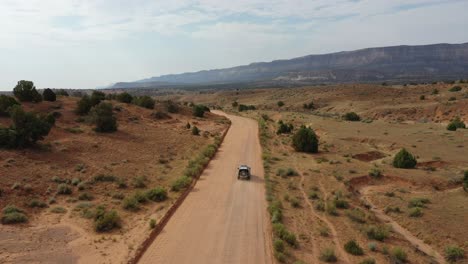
pixel 158 37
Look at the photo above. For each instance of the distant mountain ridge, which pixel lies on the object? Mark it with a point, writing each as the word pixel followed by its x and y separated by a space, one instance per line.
pixel 396 63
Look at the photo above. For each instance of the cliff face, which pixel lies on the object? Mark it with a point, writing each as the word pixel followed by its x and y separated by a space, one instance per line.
pixel 427 62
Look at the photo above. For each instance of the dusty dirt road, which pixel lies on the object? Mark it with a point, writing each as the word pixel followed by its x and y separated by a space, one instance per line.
pixel 223 220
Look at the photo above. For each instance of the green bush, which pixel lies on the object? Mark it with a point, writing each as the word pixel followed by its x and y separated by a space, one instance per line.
pixel 157 194
pixel 379 233
pixel 105 178
pixel 103 118
pixel 58 210
pixel 351 116
pixel 357 215
pixel 281 232
pixel 144 101
pixel 85 197
pixel 195 131
pixel 64 189
pixel 172 107
pixel 353 248
pixel 106 221
pixel 454 253
pixel 280 103
pixel 124 97
pixel 289 172
pixel 418 202
pixel 284 128
pixel 415 212
pixel 328 255
pixel 49 95
pixel 404 159
pixel 152 223
pixel 139 182
pixel 84 105
pixel 455 89
pixel 375 173
pixel 36 203
pixel 61 92
pixel 278 245
pixel 25 91
pixel 276 212
pixel 199 110
pixel 130 203
pixel 27 128
pixel 5 103
pixel 242 107
pixel 398 255
pixel 422 97
pixel 180 183
pixel 305 140
pixel 295 202
pixel 13 215
pixel 455 124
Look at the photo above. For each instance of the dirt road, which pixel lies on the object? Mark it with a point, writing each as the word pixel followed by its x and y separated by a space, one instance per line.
pixel 223 220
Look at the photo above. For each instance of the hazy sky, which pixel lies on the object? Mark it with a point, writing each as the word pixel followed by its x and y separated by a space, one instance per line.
pixel 89 43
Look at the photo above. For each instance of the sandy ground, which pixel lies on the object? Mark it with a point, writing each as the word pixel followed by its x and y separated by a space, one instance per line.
pixel 223 220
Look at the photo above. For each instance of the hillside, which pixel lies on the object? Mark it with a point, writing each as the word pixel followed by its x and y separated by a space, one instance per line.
pixel 392 64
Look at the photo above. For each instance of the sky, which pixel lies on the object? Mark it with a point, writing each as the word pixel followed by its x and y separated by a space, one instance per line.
pixel 94 43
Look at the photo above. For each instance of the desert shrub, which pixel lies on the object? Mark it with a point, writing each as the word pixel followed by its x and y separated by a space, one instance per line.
pixel 454 253
pixel 49 95
pixel 64 189
pixel 330 208
pixel 328 255
pixel 281 232
pixel 106 220
pixel 392 209
pixel 180 183
pixel 144 101
pixel 368 261
pixel 309 106
pixel 5 103
pixel 278 245
pixel 455 124
pixel 235 104
pixel 289 172
pixel 404 159
pixel 103 118
pixel 124 97
pixel 398 255
pixel 357 215
pixel 422 97
pixel 418 202
pixel 276 212
pixel 157 194
pixel 340 203
pixel 84 105
pixel 455 89
pixel 415 212
pixel 242 107
pixel 324 231
pixel 379 233
pixel 452 98
pixel 172 107
pixel 284 128
pixel 199 110
pixel 375 173
pixel 320 206
pixel 195 131
pixel 313 195
pixel 13 215
pixel 280 103
pixel 58 210
pixel 85 197
pixel 105 178
pixel 75 181
pixel 188 126
pixel 152 223
pixel 305 140
pixel 25 91
pixel 130 203
pixel 351 116
pixel 140 197
pixel 353 248
pixel 294 202
pixel 27 128
pixel 61 92
pixel 139 182
pixel 372 246
pixel 280 256
pixel 35 203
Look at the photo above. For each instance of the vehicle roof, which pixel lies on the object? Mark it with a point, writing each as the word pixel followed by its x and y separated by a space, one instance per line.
pixel 244 167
